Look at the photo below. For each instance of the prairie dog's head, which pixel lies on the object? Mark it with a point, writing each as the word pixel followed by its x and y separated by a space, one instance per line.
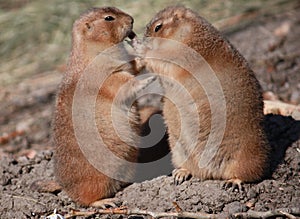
pixel 186 26
pixel 173 22
pixel 105 26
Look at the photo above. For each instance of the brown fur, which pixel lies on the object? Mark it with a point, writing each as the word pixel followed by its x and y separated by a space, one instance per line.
pixel 91 35
pixel 243 153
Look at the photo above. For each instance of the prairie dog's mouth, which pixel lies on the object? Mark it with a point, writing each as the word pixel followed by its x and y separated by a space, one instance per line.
pixel 132 37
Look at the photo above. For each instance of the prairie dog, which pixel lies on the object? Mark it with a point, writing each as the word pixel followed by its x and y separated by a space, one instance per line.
pixel 243 153
pixel 95 31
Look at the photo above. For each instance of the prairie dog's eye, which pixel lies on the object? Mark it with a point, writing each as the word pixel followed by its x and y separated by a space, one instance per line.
pixel 109 18
pixel 88 26
pixel 158 27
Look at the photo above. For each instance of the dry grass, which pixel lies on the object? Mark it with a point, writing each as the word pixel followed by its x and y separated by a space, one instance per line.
pixel 35 34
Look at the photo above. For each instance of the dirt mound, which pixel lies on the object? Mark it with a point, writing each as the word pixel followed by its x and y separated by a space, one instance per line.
pixel 280 191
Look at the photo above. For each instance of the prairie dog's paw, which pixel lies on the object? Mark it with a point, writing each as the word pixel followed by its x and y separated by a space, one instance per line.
pixel 140 47
pixel 233 184
pixel 180 175
pixel 133 88
pixel 142 84
pixel 139 64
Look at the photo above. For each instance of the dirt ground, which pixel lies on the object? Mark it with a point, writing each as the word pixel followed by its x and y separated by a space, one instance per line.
pixel 271 44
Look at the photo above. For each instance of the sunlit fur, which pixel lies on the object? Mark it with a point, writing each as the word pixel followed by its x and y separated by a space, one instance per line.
pixel 243 153
pixel 81 181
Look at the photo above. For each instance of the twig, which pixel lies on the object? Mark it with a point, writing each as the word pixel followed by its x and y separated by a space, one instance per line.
pixel 126 211
pixel 177 207
pixel 288 213
pixel 7 137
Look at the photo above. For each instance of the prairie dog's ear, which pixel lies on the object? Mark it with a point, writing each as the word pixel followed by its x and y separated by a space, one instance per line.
pixel 179 14
pixel 189 14
pixel 176 17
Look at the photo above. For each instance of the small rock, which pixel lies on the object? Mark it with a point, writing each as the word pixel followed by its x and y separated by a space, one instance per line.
pixel 283 29
pixel 24 126
pixel 252 194
pixel 296 113
pixel 295 97
pixel 234 207
pixel 269 95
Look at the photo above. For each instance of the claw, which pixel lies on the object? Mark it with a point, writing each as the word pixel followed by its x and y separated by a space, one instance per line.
pixel 105 203
pixel 180 175
pixel 233 184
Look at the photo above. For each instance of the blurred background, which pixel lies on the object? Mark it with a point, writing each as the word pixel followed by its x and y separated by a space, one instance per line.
pixel 35 40
pixel 35 34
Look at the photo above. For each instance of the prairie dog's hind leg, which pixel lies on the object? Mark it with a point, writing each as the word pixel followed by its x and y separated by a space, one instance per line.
pixel 180 175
